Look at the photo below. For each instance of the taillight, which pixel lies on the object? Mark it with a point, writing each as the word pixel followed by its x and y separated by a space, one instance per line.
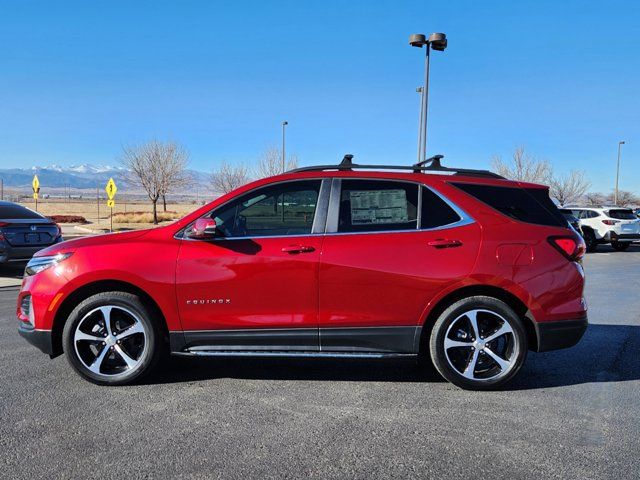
pixel 571 248
pixel 610 222
pixel 59 230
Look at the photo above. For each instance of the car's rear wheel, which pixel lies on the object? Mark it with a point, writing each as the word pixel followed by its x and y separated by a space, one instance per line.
pixel 590 240
pixel 620 246
pixel 111 339
pixel 478 343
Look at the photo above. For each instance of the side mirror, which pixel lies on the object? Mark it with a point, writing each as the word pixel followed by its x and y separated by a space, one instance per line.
pixel 202 229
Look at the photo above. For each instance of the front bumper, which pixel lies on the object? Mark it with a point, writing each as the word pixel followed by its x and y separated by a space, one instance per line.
pixel 560 334
pixel 38 338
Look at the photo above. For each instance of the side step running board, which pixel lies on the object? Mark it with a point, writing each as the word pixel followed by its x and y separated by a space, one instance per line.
pixel 234 353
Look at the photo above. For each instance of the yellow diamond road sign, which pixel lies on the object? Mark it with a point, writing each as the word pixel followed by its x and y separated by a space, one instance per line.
pixel 35 184
pixel 111 189
pixel 111 203
pixel 35 196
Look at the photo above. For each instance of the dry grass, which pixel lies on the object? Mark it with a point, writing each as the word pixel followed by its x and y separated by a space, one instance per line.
pixel 89 209
pixel 144 217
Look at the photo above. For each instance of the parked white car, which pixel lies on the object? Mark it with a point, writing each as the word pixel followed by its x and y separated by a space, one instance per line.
pixel 614 225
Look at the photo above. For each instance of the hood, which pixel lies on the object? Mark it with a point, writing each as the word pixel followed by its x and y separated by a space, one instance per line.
pixel 90 241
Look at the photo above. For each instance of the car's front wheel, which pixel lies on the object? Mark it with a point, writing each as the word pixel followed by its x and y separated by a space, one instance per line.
pixel 620 246
pixel 111 339
pixel 478 343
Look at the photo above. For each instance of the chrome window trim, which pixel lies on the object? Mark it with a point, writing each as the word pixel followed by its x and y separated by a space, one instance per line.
pixel 334 209
pixel 331 187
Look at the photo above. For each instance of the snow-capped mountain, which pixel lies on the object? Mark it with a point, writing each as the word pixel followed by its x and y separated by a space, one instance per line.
pixel 83 176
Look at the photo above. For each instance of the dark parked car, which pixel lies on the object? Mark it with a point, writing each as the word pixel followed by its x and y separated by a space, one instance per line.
pixel 571 218
pixel 23 232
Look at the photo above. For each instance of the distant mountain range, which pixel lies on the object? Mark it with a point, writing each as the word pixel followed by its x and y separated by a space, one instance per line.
pixel 80 177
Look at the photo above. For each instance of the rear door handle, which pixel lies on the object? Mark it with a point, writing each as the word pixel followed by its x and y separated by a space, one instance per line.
pixel 444 243
pixel 298 249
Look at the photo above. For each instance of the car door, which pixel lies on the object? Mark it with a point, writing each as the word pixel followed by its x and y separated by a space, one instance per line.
pixel 390 247
pixel 260 272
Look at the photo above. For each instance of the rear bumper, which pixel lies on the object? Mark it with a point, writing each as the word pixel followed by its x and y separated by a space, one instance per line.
pixel 560 334
pixel 37 338
pixel 615 237
pixel 10 253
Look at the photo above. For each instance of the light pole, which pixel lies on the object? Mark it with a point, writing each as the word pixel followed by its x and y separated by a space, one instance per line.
pixel 437 41
pixel 284 124
pixel 420 90
pixel 615 196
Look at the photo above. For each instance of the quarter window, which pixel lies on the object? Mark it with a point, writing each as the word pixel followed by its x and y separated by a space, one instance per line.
pixel 281 209
pixel 435 211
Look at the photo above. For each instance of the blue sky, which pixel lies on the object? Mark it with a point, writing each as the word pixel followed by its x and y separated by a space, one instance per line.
pixel 80 79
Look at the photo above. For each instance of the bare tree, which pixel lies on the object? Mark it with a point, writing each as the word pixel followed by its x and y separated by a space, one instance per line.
pixel 173 170
pixel 270 163
pixel 594 199
pixel 625 198
pixel 228 177
pixel 156 167
pixel 523 167
pixel 568 188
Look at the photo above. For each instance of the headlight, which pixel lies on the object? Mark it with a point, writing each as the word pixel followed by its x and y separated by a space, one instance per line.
pixel 38 264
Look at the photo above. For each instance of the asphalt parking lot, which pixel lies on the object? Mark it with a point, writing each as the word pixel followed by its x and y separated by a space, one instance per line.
pixel 569 414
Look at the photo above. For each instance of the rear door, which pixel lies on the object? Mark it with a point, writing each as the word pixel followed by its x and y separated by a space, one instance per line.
pixel 391 246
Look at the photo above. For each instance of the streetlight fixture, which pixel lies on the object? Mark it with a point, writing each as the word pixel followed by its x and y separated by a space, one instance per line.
pixel 284 124
pixel 615 197
pixel 437 41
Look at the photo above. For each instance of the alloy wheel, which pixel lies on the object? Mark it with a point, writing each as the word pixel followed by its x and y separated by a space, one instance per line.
pixel 480 345
pixel 110 340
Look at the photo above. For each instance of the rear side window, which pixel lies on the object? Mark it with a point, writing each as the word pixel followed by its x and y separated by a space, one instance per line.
pixel 530 205
pixel 621 214
pixel 14 212
pixel 435 211
pixel 374 205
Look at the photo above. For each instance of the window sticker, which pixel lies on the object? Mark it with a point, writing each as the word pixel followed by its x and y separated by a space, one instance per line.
pixel 378 206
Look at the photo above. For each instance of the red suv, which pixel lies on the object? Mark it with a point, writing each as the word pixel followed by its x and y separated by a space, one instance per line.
pixel 338 261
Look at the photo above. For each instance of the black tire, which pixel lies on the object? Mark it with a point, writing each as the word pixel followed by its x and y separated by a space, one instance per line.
pixel 590 240
pixel 127 306
pixel 620 246
pixel 512 345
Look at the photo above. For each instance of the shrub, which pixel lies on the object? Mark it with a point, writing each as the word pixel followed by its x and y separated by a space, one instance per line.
pixel 67 219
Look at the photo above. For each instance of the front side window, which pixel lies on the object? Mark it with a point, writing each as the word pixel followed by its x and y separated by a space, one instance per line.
pixel 281 209
pixel 375 205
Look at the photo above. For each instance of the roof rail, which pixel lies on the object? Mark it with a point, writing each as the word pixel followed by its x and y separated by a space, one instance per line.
pixel 432 164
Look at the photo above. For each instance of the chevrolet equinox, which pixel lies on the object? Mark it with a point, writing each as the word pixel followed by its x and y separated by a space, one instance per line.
pixel 459 266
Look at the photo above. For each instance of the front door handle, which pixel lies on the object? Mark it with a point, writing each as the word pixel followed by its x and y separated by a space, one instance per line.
pixel 444 243
pixel 298 249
